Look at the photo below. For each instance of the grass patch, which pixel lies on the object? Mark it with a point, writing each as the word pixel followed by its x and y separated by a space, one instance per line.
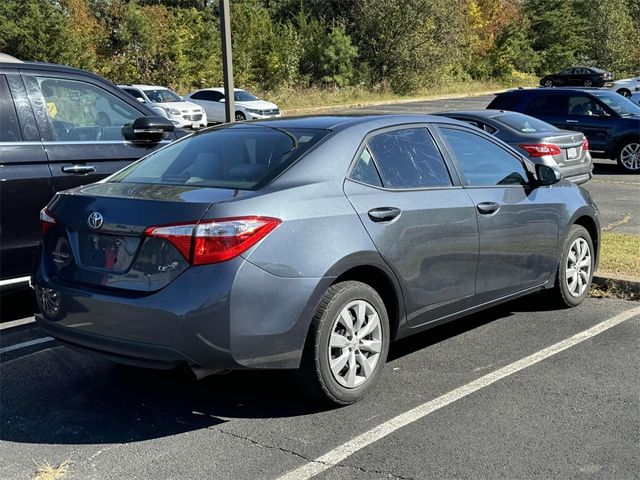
pixel 47 471
pixel 620 254
pixel 291 98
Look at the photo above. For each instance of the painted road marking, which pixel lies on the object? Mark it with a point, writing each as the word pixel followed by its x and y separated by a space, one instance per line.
pixel 338 454
pixel 17 323
pixel 18 346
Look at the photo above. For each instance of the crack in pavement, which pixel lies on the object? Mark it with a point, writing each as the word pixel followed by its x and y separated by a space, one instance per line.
pixel 307 459
pixel 626 218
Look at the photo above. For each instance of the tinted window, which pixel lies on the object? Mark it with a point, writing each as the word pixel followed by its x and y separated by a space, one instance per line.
pixel 547 105
pixel 238 157
pixel 504 102
pixel 209 95
pixel 365 170
pixel 134 93
pixel 244 96
pixel 409 159
pixel 482 162
pixel 9 127
pixel 80 111
pixel 524 123
pixel 585 106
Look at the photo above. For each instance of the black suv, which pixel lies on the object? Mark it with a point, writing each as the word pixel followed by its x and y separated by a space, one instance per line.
pixel 610 122
pixel 60 127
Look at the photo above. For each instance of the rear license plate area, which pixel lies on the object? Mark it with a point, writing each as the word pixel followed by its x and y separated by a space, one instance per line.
pixel 572 153
pixel 108 252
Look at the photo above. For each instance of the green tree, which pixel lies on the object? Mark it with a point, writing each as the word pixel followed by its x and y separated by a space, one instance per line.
pixel 335 57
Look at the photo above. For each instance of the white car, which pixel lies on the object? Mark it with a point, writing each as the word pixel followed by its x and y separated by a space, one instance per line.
pixel 248 106
pixel 627 86
pixel 169 104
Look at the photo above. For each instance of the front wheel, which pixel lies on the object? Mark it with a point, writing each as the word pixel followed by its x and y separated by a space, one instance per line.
pixel 547 83
pixel 575 269
pixel 628 156
pixel 347 344
pixel 240 117
pixel 588 83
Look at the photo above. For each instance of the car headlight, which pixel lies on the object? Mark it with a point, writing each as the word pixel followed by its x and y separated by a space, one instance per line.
pixel 252 110
pixel 172 111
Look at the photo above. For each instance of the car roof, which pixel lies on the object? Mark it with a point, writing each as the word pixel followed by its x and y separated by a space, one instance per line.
pixel 339 122
pixel 525 91
pixel 217 89
pixel 143 87
pixel 487 113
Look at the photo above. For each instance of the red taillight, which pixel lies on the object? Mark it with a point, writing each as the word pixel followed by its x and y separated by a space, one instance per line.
pixel 585 144
pixel 541 149
pixel 47 221
pixel 214 241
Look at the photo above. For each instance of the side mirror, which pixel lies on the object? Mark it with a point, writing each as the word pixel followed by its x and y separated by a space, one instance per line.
pixel 547 175
pixel 147 129
pixel 140 99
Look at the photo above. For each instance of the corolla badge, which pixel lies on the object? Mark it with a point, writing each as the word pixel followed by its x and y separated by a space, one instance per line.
pixel 95 220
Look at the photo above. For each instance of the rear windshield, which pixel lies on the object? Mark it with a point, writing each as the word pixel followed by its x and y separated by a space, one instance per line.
pixel 524 123
pixel 241 156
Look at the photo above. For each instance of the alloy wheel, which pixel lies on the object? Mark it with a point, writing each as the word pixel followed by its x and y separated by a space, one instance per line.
pixel 630 156
pixel 355 344
pixel 578 267
pixel 588 83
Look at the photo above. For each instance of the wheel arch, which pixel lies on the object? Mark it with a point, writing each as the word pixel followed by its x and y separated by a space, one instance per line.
pixel 629 137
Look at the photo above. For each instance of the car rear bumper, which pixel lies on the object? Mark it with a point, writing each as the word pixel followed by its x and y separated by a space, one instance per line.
pixel 225 316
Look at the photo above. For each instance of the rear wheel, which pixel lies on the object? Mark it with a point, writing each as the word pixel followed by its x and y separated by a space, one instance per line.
pixel 588 83
pixel 347 344
pixel 628 156
pixel 547 83
pixel 575 269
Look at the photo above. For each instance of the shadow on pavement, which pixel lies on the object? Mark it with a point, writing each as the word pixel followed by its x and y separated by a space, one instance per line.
pixel 59 396
pixel 18 304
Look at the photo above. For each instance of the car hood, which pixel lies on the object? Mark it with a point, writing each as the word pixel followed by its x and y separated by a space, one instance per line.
pixel 178 105
pixel 258 105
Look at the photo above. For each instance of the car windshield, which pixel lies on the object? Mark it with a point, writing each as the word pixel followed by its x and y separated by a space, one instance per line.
pixel 524 123
pixel 244 96
pixel 162 95
pixel 618 103
pixel 240 156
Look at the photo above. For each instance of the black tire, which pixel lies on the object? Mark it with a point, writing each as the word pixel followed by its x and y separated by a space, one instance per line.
pixel 561 293
pixel 547 83
pixel 315 376
pixel 624 158
pixel 240 117
pixel 624 92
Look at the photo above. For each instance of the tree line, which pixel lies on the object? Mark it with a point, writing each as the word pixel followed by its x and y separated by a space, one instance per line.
pixel 401 46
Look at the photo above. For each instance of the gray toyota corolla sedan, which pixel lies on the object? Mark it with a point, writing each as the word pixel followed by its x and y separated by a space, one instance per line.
pixel 306 243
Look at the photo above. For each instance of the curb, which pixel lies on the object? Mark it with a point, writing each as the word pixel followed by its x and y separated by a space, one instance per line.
pixel 298 111
pixel 618 285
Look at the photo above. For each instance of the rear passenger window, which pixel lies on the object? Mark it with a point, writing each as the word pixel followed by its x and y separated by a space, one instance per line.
pixel 482 162
pixel 9 127
pixel 547 105
pixel 365 170
pixel 409 158
pixel 504 102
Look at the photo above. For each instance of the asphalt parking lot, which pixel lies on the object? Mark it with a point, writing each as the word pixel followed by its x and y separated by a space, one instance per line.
pixel 510 393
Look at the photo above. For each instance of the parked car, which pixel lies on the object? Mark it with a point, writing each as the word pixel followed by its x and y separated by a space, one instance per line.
pixel 540 141
pixel 307 243
pixel 626 87
pixel 247 105
pixel 610 122
pixel 635 98
pixel 60 127
pixel 169 104
pixel 578 77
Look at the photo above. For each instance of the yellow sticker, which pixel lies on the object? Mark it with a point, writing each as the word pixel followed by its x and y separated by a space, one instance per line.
pixel 53 110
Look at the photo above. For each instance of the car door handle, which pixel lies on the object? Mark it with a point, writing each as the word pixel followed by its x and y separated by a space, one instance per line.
pixel 573 121
pixel 487 208
pixel 79 169
pixel 384 214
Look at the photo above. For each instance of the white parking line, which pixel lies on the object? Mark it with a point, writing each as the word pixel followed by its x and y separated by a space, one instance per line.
pixel 16 323
pixel 18 346
pixel 347 449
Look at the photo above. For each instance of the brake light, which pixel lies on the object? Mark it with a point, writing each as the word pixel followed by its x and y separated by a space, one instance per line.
pixel 214 241
pixel 541 149
pixel 585 144
pixel 47 221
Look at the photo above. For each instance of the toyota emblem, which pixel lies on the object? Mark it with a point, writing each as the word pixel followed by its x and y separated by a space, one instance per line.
pixel 95 220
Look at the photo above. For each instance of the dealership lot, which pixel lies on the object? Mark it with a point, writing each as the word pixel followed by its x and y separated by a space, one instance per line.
pixel 572 415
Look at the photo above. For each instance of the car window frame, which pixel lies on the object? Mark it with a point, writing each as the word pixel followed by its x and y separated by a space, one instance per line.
pixel 43 121
pixel 455 179
pixel 612 113
pixel 8 97
pixel 528 167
